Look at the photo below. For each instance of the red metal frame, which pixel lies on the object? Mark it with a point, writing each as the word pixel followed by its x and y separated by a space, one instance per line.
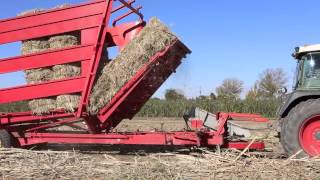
pixel 139 138
pixel 196 124
pixel 203 137
pixel 93 21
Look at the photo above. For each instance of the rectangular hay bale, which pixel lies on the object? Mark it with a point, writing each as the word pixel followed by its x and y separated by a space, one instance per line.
pixel 154 37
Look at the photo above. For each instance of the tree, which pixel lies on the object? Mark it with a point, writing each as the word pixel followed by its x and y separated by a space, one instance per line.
pixel 230 88
pixel 271 80
pixel 202 98
pixel 174 94
pixel 213 96
pixel 253 93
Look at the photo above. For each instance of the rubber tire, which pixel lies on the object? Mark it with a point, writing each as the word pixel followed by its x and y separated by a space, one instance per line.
pixel 291 125
pixel 5 139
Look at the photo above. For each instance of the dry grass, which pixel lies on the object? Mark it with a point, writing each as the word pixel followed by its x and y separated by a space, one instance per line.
pixel 23 164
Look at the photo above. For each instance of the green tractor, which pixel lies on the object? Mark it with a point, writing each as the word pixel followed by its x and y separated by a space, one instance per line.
pixel 300 112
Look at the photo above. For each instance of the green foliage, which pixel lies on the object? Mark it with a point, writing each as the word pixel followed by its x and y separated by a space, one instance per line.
pixel 271 80
pixel 267 107
pixel 165 108
pixel 230 88
pixel 174 94
pixel 14 107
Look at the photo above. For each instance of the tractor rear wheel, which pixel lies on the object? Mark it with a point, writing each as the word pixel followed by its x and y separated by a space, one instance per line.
pixel 5 139
pixel 300 131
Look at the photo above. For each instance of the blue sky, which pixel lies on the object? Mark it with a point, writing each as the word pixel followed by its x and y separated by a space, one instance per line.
pixel 229 38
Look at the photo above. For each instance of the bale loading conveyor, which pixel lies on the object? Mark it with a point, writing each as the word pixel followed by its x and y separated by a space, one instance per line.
pixel 94 21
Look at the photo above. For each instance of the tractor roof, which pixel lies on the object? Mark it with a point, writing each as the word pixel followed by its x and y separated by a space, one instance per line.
pixel 299 51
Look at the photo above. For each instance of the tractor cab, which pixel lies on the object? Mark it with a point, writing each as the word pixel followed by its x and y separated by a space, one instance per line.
pixel 308 67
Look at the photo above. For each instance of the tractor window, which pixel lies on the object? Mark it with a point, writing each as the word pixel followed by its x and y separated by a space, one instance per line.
pixel 311 70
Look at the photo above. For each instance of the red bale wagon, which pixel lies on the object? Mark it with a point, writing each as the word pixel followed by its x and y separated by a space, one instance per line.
pixel 93 20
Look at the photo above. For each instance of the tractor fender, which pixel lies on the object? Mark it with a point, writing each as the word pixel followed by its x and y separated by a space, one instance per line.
pixel 294 99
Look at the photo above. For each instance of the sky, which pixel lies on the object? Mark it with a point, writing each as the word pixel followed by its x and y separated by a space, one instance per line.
pixel 228 39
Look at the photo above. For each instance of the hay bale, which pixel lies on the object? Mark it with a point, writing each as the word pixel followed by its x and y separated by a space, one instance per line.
pixel 152 39
pixel 62 6
pixel 38 10
pixel 38 75
pixel 38 106
pixel 34 46
pixel 65 71
pixel 64 41
pixel 42 106
pixel 29 12
pixel 67 102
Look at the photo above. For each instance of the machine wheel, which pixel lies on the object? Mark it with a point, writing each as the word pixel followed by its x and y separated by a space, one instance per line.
pixel 301 129
pixel 5 139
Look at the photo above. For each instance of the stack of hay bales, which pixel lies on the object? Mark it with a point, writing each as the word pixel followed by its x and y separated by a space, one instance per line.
pixel 67 102
pixel 152 39
pixel 38 106
pixel 111 76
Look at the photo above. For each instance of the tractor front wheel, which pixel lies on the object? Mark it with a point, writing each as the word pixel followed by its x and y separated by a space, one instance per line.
pixel 300 131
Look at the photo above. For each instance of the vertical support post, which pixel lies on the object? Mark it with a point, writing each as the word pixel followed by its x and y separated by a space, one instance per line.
pixel 94 62
pixel 88 36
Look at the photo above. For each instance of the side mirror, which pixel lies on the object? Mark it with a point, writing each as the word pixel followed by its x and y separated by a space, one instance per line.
pixel 283 90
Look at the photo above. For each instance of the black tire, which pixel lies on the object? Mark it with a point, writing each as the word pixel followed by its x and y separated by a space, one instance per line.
pixel 291 125
pixel 5 139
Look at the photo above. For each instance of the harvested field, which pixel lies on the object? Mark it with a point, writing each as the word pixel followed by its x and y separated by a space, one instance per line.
pixel 22 164
pixel 152 163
